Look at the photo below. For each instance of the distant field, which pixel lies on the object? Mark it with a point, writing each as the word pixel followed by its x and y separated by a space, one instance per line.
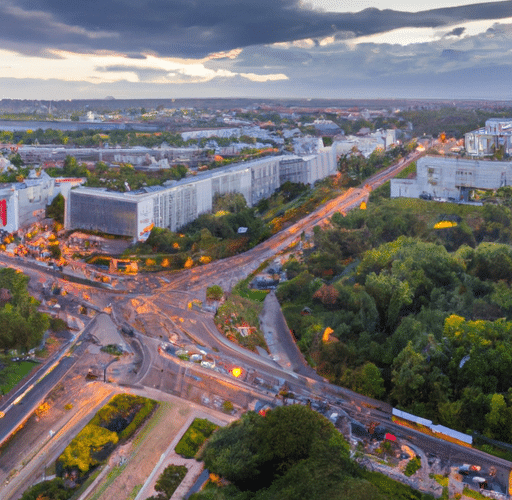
pixel 12 373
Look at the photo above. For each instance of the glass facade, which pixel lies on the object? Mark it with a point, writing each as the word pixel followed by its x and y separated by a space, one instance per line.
pixel 108 215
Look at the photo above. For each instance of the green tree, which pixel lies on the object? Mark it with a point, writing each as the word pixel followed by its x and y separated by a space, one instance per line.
pixel 73 169
pixel 408 377
pixel 370 382
pixel 55 209
pixel 390 295
pixel 51 490
pixel 255 450
pixel 498 419
pixel 230 202
pixel 366 380
pixel 21 325
pixel 492 261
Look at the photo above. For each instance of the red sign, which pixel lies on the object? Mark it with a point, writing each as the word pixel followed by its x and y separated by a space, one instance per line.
pixel 3 212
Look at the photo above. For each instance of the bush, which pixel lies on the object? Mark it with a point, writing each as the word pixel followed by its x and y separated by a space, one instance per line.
pixel 214 292
pixel 112 349
pixel 393 489
pixel 53 489
pixel 117 420
pixel 84 452
pixel 198 432
pixel 140 417
pixel 168 481
pixel 413 465
pixel 58 325
pixel 227 407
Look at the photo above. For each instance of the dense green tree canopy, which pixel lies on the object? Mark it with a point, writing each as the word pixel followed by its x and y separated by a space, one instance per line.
pixel 292 453
pixel 254 451
pixel 427 311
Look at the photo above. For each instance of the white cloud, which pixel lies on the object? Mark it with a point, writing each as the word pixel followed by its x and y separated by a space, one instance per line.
pixel 231 54
pixel 109 68
pixel 264 78
pixel 70 66
pixel 327 40
pixel 400 5
pixel 306 43
pixel 408 36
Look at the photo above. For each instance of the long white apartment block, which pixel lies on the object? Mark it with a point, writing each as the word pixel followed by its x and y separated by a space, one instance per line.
pixel 172 206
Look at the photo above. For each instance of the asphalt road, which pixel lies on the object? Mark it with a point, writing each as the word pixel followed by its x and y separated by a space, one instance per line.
pixel 19 405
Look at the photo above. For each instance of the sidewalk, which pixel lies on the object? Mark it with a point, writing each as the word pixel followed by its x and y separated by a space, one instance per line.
pixel 170 457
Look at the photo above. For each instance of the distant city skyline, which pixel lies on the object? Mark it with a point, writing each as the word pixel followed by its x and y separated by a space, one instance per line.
pixel 52 49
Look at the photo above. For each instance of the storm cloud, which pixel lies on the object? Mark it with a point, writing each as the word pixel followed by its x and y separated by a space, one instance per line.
pixel 195 28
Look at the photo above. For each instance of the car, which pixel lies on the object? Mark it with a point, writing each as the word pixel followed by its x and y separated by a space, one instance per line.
pixel 464 470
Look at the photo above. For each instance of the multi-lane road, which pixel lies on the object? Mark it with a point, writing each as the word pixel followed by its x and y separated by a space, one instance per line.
pixel 17 406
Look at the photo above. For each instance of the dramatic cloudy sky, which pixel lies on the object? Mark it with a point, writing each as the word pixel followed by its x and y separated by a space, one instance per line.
pixel 62 49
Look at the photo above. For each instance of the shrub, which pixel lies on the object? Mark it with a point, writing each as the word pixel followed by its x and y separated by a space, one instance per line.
pixel 140 417
pixel 89 444
pixel 53 489
pixel 198 432
pixel 112 349
pixel 168 481
pixel 412 466
pixel 227 407
pixel 214 292
pixel 119 419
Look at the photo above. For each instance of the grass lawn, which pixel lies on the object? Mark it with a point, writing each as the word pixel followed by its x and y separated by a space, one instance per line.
pixel 12 373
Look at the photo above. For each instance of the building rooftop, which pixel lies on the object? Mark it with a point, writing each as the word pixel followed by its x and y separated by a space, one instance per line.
pixel 149 190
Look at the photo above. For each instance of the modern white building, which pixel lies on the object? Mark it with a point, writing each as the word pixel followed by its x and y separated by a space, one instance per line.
pixel 485 141
pixel 23 203
pixel 380 139
pixel 452 178
pixel 177 203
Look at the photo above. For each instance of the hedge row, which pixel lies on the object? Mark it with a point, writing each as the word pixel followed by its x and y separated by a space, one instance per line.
pixel 198 432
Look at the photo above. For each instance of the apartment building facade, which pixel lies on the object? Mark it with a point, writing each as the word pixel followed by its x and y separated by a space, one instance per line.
pixel 172 206
pixel 452 178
